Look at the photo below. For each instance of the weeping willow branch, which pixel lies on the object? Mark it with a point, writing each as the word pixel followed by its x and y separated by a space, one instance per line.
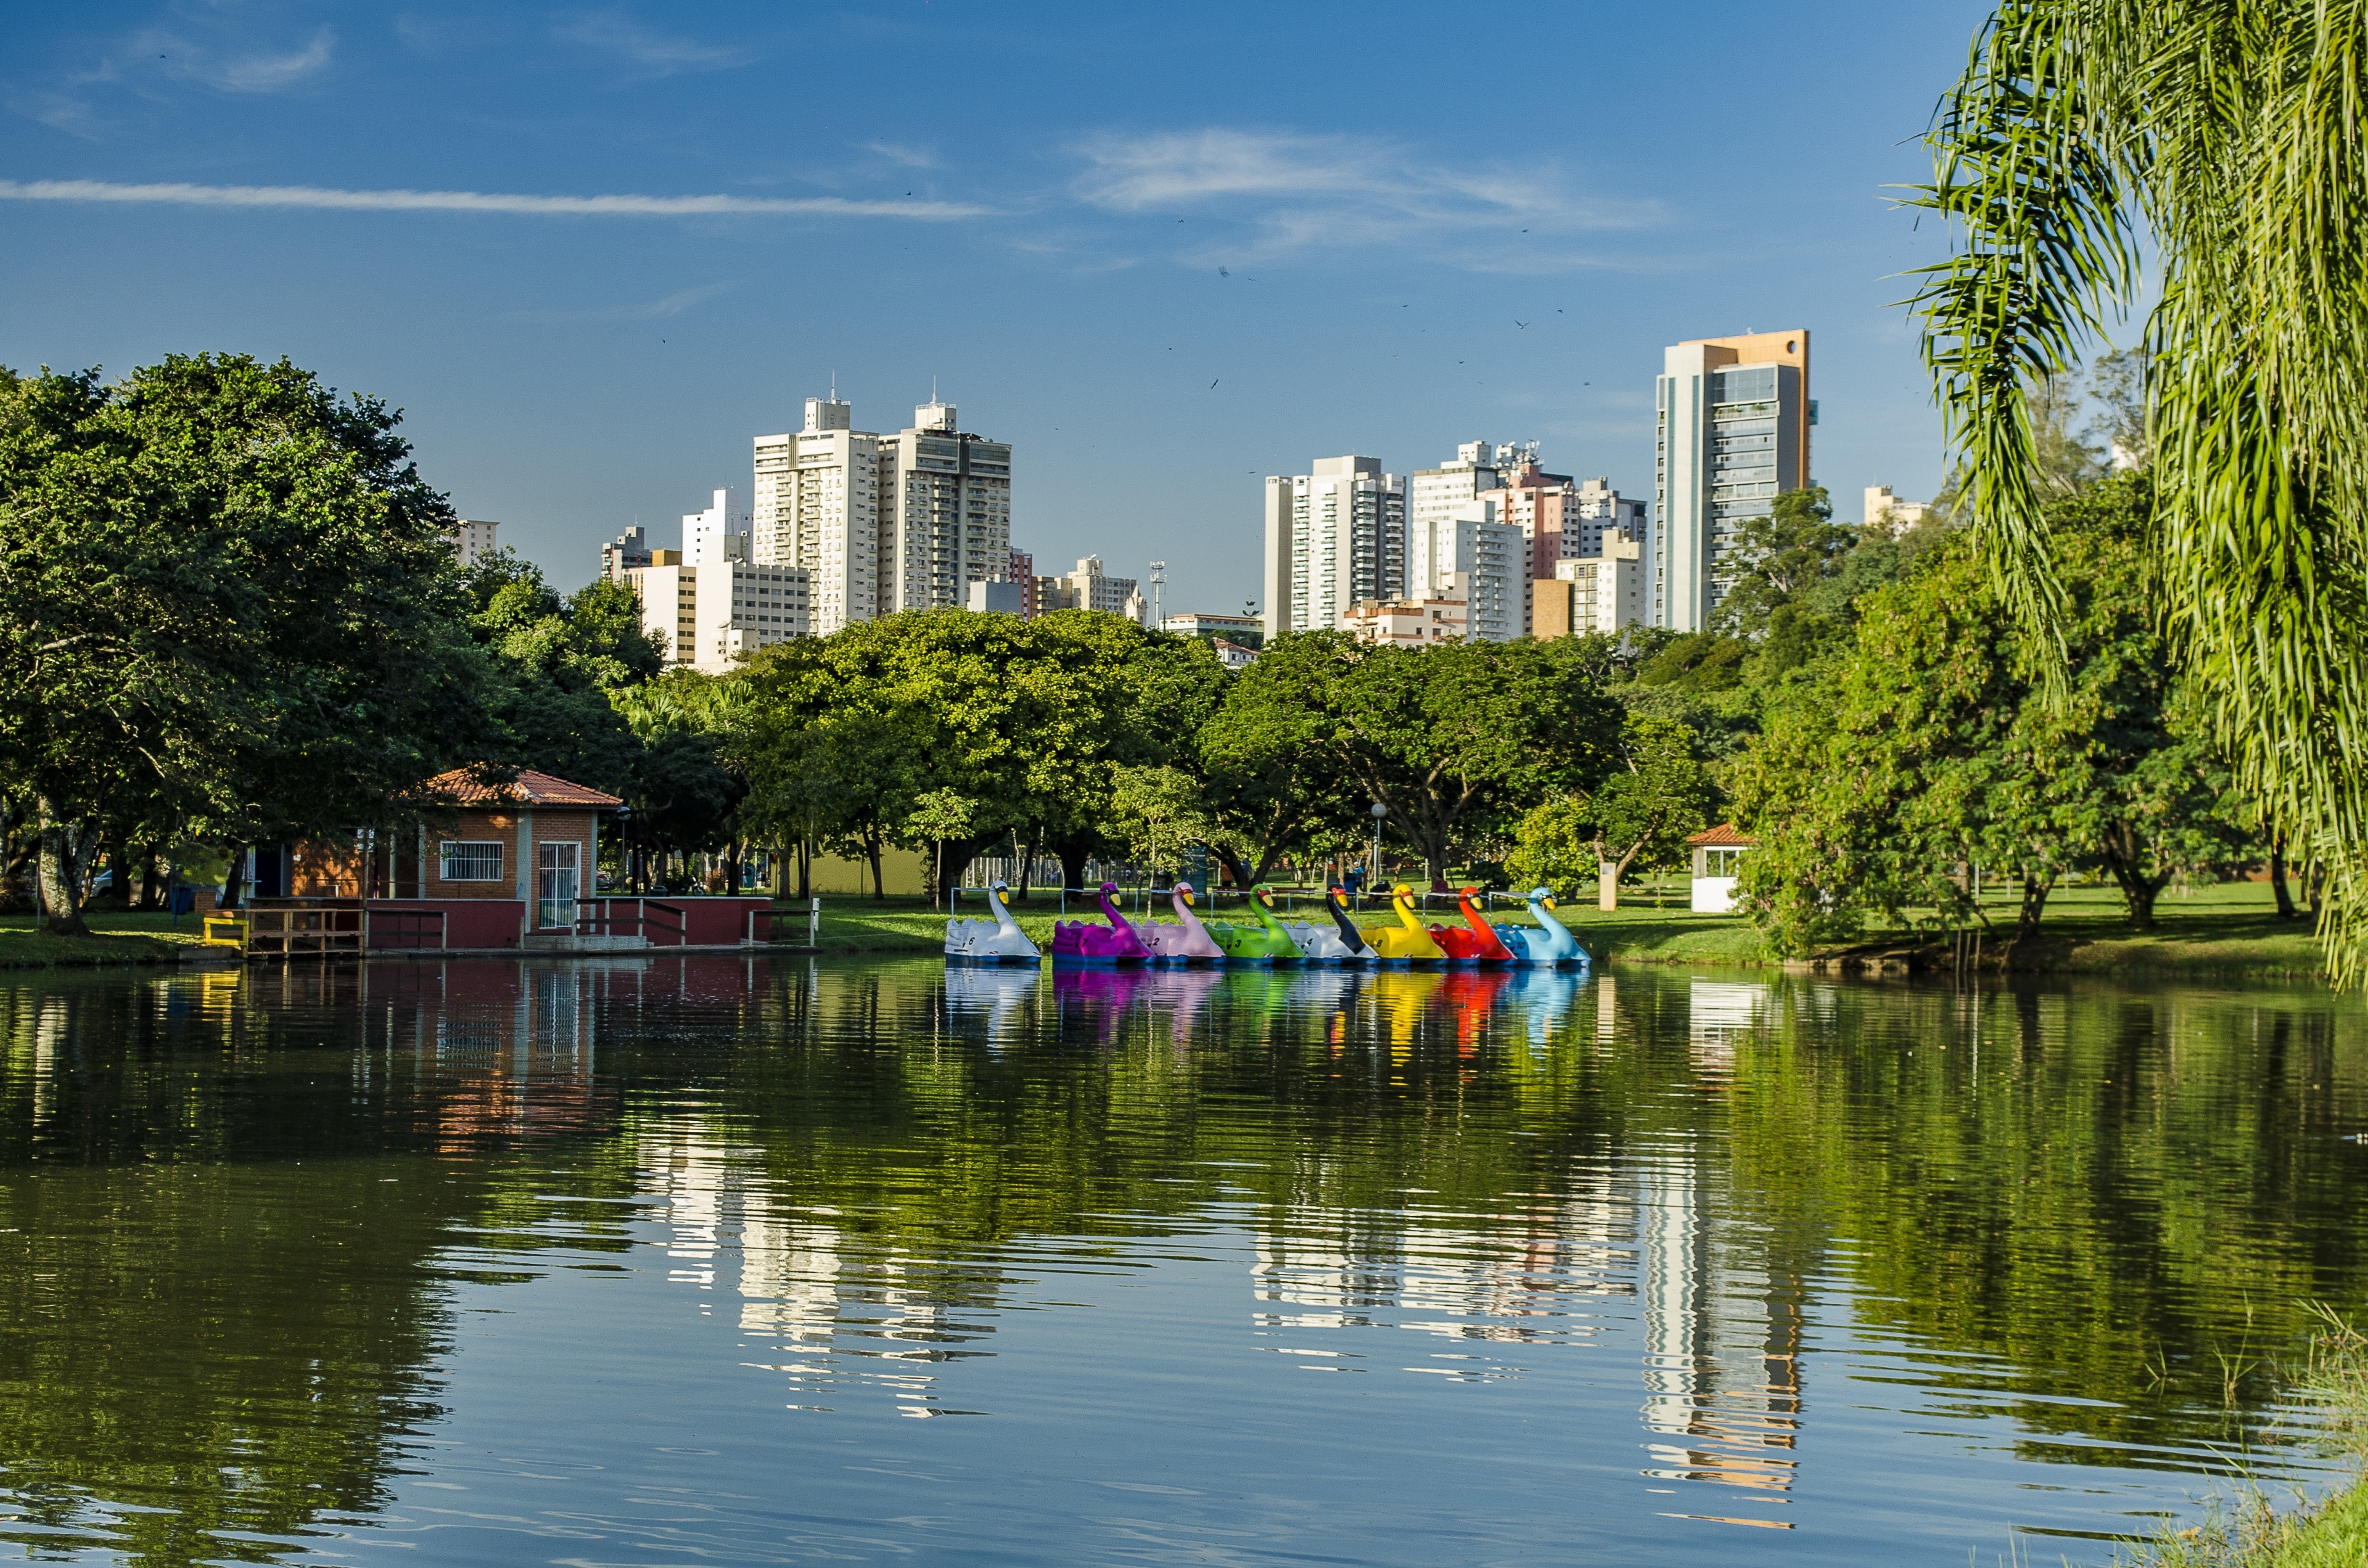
pixel 2225 136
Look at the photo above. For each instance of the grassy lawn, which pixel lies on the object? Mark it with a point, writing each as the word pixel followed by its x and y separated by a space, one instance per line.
pixel 2232 928
pixel 114 939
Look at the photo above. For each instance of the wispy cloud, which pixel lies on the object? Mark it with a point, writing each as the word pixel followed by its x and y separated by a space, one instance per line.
pixel 308 195
pixel 234 71
pixel 672 305
pixel 906 154
pixel 613 32
pixel 1297 191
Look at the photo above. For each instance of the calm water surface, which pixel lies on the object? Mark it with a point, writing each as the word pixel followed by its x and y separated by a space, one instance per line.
pixel 725 1262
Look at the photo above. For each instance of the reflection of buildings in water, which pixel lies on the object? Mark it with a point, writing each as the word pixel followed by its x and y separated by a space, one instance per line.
pixel 1721 1014
pixel 516 1043
pixel 846 1314
pixel 1721 1343
pixel 1441 1274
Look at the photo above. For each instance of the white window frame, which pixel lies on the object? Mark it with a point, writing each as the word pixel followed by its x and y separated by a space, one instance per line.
pixel 447 860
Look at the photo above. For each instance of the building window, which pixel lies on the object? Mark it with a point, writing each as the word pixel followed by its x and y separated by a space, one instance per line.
pixel 468 860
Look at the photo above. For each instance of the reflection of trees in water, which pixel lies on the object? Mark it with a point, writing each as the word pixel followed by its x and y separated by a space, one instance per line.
pixel 2081 1188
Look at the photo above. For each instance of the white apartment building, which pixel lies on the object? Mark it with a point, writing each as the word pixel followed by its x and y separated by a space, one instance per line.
pixel 1734 421
pixel 1592 595
pixel 1405 624
pixel 1335 537
pixel 945 512
pixel 1478 467
pixel 1089 587
pixel 743 608
pixel 883 523
pixel 818 507
pixel 1886 514
pixel 1473 555
pixel 669 594
pixel 711 617
pixel 1595 509
pixel 718 534
pixel 471 539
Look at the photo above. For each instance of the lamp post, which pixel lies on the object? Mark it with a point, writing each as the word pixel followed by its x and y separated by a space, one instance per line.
pixel 1380 812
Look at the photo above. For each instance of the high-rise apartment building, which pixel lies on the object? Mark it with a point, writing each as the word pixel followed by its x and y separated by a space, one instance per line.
pixel 1472 554
pixel 1022 572
pixel 1478 467
pixel 817 507
pixel 1602 509
pixel 884 523
pixel 1593 594
pixel 1734 421
pixel 1887 514
pixel 945 512
pixel 1089 587
pixel 716 535
pixel 1334 537
pixel 627 552
pixel 472 537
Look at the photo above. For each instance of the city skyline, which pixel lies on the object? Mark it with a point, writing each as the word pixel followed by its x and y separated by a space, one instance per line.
pixel 591 258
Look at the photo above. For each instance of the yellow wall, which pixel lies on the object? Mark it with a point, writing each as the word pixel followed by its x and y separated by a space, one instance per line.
pixel 901 871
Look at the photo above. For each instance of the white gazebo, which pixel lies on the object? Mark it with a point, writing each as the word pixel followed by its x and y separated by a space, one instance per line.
pixel 1718 855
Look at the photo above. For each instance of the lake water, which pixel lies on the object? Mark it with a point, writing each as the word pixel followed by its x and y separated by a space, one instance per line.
pixel 724 1261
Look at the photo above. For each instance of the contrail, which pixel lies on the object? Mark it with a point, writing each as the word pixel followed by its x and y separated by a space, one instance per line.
pixel 482 201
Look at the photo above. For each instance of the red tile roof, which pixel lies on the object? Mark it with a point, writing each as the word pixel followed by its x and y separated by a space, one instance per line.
pixel 531 789
pixel 1723 836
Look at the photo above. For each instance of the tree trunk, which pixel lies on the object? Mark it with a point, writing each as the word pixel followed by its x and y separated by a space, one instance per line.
pixel 871 855
pixel 152 882
pixel 1073 855
pixel 1028 859
pixel 805 866
pixel 2278 889
pixel 66 848
pixel 1234 867
pixel 2034 901
pixel 2124 857
pixel 234 879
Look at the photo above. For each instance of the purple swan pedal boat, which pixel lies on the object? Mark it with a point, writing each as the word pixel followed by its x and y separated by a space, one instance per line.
pixel 1079 941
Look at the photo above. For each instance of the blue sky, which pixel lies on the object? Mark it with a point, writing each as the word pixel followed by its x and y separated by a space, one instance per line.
pixel 1162 250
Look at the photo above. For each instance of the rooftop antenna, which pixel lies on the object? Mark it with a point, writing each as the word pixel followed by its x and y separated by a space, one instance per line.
pixel 834 386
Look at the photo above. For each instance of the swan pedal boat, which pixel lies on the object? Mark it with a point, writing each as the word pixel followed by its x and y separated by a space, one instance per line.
pixel 1406 942
pixel 1340 942
pixel 1081 941
pixel 1474 942
pixel 1183 941
pixel 1266 942
pixel 1549 944
pixel 999 940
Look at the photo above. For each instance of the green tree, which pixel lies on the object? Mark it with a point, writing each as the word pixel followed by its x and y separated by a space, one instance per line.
pixel 2091 152
pixel 230 610
pixel 1028 719
pixel 1656 793
pixel 1933 755
pixel 1453 738
pixel 1775 560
